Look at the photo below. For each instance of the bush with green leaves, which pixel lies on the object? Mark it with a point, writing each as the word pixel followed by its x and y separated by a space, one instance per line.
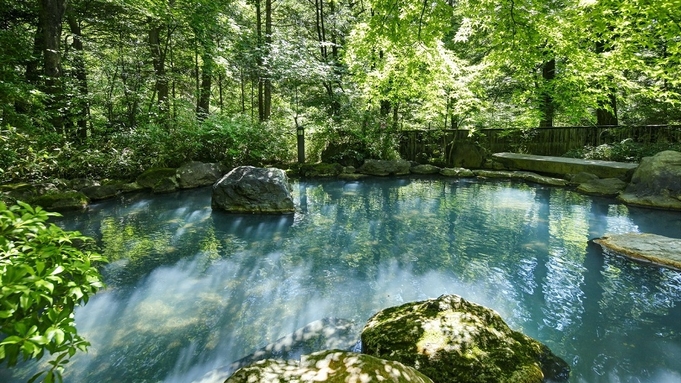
pixel 45 272
pixel 624 151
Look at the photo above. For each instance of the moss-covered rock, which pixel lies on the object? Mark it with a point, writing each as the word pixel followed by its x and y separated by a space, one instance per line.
pixel 101 192
pixel 608 187
pixel 457 172
pixel 62 201
pixel 150 178
pixel 425 169
pixel 452 340
pixel 333 366
pixel 320 170
pixel 385 167
pixel 656 182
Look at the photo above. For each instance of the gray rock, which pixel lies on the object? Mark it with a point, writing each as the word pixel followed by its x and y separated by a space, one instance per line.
pixel 385 167
pixel 101 192
pixel 61 201
pixel 582 177
pixel 323 334
pixel 82 183
pixel 329 366
pixel 195 174
pixel 563 166
pixel 151 177
pixel 425 169
pixel 653 248
pixel 456 172
pixel 467 155
pixel 544 180
pixel 165 185
pixel 248 189
pixel 656 182
pixel 452 340
pixel 608 187
pixel 495 174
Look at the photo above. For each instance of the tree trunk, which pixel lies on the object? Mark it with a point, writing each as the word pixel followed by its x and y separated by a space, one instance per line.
pixel 203 106
pixel 80 73
pixel 51 16
pixel 606 113
pixel 267 102
pixel 158 60
pixel 547 106
pixel 258 32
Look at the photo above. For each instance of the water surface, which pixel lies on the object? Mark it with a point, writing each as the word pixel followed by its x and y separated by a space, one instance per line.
pixel 190 289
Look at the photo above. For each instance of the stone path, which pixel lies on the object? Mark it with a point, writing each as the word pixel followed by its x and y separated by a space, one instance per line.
pixel 563 165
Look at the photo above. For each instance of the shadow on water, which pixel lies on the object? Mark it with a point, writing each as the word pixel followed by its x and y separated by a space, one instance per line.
pixel 191 289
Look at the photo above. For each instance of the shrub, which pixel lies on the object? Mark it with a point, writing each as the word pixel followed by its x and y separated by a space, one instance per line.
pixel 624 151
pixel 43 277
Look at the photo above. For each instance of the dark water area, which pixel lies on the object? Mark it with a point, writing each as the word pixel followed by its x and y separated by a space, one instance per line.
pixel 190 289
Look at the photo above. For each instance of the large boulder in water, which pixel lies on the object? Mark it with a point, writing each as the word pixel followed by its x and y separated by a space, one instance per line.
pixel 194 174
pixel 329 366
pixel 656 182
pixel 452 340
pixel 248 189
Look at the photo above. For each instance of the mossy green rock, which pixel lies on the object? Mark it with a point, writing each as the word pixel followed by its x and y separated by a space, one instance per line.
pixel 150 178
pixel 452 340
pixel 320 170
pixel 329 366
pixel 62 201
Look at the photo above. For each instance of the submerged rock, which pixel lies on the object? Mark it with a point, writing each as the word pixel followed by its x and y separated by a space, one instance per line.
pixel 385 167
pixel 452 340
pixel 248 189
pixel 608 187
pixel 653 248
pixel 329 366
pixel 656 182
pixel 323 334
pixel 195 174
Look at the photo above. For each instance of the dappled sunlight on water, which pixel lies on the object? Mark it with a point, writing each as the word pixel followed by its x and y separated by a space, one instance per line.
pixel 191 290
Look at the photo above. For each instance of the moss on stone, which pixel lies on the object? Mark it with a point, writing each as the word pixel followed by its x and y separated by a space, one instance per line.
pixel 452 340
pixel 153 176
pixel 61 201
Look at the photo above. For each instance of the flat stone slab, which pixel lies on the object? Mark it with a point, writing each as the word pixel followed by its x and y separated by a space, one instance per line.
pixel 653 248
pixel 563 166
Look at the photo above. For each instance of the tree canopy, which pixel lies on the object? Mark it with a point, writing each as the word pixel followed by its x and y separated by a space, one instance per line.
pixel 139 76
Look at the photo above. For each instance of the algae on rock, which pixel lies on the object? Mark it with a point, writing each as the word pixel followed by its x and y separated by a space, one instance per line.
pixel 452 340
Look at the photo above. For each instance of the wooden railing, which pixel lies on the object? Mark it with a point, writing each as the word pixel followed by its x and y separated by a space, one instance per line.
pixel 554 141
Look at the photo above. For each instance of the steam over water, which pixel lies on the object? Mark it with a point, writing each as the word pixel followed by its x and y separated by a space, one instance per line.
pixel 190 289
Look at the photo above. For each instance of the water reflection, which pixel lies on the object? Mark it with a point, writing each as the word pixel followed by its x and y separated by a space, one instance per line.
pixel 191 289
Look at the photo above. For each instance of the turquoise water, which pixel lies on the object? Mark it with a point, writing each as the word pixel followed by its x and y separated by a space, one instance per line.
pixel 190 290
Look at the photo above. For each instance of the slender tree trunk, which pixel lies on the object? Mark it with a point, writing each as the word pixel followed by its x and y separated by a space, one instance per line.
pixel 203 106
pixel 158 61
pixel 606 114
pixel 258 31
pixel 80 73
pixel 51 16
pixel 547 106
pixel 267 102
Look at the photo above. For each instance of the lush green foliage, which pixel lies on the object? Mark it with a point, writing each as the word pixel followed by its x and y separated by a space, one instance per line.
pixel 141 83
pixel 45 272
pixel 624 151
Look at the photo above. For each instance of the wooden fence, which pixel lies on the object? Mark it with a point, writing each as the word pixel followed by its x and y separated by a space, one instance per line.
pixel 554 141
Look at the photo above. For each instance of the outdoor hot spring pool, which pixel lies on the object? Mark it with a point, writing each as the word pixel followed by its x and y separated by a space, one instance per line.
pixel 190 290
